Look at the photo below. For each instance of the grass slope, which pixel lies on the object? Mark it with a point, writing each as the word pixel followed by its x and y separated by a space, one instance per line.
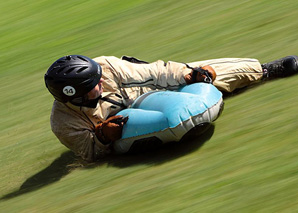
pixel 246 163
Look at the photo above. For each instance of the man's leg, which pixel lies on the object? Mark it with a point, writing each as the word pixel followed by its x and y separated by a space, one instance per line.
pixel 233 73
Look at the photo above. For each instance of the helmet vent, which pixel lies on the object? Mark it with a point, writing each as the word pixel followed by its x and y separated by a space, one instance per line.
pixel 60 69
pixel 83 58
pixel 81 69
pixel 60 62
pixel 70 70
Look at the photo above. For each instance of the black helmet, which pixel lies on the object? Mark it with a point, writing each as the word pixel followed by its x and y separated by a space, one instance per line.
pixel 71 77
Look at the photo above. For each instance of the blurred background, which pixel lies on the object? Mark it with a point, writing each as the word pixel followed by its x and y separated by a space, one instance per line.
pixel 248 164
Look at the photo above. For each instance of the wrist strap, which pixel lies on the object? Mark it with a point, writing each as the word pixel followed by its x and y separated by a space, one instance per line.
pixel 196 70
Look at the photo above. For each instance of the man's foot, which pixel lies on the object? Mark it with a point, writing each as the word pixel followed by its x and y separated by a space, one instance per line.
pixel 281 68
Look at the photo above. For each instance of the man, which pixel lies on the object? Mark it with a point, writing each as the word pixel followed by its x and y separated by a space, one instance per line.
pixel 88 93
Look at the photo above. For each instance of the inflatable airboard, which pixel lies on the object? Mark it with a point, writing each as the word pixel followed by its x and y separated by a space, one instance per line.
pixel 164 116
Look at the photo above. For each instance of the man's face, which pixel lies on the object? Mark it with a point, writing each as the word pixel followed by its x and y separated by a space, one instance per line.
pixel 96 91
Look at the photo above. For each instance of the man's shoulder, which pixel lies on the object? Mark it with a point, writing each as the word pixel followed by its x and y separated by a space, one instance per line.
pixel 105 59
pixel 59 107
pixel 60 113
pixel 61 110
pixel 63 116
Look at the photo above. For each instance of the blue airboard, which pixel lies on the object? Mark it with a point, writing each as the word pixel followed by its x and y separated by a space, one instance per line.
pixel 168 115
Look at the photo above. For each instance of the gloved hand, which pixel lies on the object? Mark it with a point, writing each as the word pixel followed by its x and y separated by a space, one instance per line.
pixel 199 76
pixel 111 129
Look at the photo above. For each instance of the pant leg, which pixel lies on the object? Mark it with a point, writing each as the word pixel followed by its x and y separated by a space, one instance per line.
pixel 233 73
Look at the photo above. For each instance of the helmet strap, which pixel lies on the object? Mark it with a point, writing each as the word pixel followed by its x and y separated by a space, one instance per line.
pixel 84 101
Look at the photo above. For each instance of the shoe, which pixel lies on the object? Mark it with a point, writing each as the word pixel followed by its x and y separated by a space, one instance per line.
pixel 283 67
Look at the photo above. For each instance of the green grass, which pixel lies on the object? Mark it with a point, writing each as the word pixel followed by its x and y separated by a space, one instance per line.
pixel 246 163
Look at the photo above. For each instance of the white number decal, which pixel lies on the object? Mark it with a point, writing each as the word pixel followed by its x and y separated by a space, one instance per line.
pixel 69 91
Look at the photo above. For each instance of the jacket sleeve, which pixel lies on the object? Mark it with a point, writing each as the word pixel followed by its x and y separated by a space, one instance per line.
pixel 84 144
pixel 77 134
pixel 158 74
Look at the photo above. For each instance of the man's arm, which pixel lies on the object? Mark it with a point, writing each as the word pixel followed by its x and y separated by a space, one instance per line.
pixel 83 143
pixel 158 74
pixel 77 132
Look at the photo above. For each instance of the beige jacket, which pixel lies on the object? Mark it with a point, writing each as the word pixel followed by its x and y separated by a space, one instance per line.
pixel 124 82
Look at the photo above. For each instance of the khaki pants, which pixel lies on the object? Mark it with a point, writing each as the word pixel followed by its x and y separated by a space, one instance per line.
pixel 233 73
